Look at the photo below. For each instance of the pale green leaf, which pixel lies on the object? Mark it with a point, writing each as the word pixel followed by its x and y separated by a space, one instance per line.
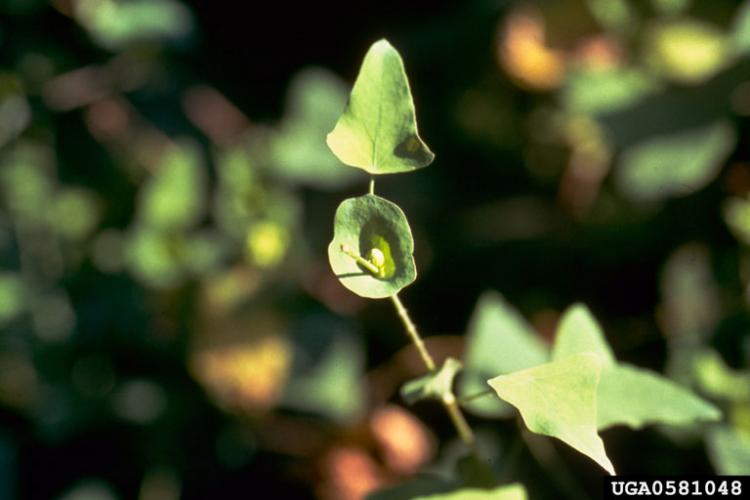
pixel 729 450
pixel 579 332
pixel 376 230
pixel 675 164
pixel 636 397
pixel 737 217
pixel 627 395
pixel 718 380
pixel 173 197
pixel 558 399
pixel 438 385
pixel 740 37
pixel 298 152
pixel 514 491
pixel 499 341
pixel 378 130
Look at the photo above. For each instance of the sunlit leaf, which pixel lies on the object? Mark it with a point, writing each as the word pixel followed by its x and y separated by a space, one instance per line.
pixel 686 50
pixel 376 230
pixel 438 385
pixel 174 197
pixel 499 341
pixel 114 23
pixel 675 164
pixel 298 152
pixel 737 217
pixel 729 450
pixel 627 395
pixel 718 380
pixel 579 332
pixel 602 91
pixel 510 492
pixel 378 130
pixel 558 399
pixel 636 397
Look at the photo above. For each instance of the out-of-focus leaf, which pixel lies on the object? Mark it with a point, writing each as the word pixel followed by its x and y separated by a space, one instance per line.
pixel 438 385
pixel 510 492
pixel 615 15
pixel 26 180
pixel 670 7
pixel 15 112
pixel 737 217
pixel 690 295
pixel 298 152
pixel 740 33
pixel 267 243
pixel 203 252
pixel 675 164
pixel 686 50
pixel 114 24
pixel 153 257
pixel 499 340
pixel 559 399
pixel 11 296
pixel 416 487
pixel 729 450
pixel 716 379
pixel 606 90
pixel 328 371
pixel 376 230
pixel 378 130
pixel 75 213
pixel 627 395
pixel 173 198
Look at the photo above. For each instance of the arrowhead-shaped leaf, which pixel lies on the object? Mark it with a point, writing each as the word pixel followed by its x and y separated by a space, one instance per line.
pixel 499 341
pixel 627 395
pixel 366 224
pixel 558 399
pixel 636 397
pixel 378 130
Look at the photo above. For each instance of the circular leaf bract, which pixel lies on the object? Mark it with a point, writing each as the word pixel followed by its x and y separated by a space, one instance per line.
pixel 371 226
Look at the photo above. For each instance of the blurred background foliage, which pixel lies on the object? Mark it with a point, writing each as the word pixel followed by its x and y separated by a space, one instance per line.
pixel 169 326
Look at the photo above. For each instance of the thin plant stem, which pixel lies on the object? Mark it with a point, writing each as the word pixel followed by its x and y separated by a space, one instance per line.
pixel 449 401
pixel 411 331
pixel 472 397
pixel 372 185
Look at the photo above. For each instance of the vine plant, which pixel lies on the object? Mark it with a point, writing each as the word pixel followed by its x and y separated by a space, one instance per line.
pixel 570 392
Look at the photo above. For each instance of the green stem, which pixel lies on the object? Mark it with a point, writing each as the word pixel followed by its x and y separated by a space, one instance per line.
pixel 472 397
pixel 411 330
pixel 449 401
pixel 360 260
pixel 372 185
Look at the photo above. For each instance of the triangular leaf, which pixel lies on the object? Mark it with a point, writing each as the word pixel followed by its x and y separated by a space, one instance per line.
pixel 637 397
pixel 378 130
pixel 627 395
pixel 436 385
pixel 558 399
pixel 371 226
pixel 579 332
pixel 499 341
pixel 514 491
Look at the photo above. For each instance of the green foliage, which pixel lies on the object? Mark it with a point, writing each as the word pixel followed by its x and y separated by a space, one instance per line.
pixel 378 131
pixel 499 340
pixel 374 228
pixel 437 385
pixel 675 164
pixel 627 395
pixel 509 492
pixel 298 152
pixel 729 450
pixel 558 399
pixel 173 199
